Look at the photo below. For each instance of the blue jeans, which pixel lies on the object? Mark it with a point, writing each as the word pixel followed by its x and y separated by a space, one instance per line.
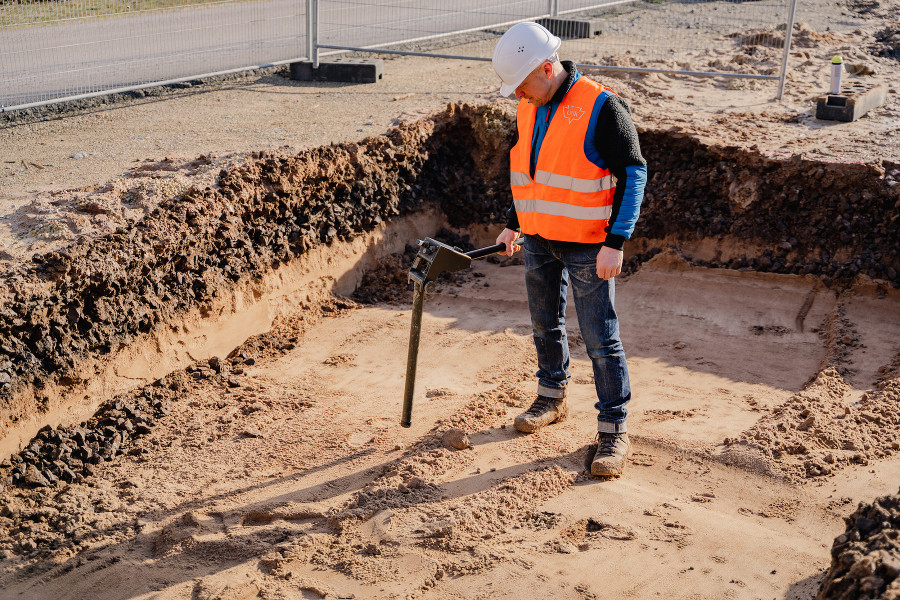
pixel 549 268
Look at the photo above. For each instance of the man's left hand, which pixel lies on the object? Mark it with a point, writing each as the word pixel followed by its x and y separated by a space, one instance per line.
pixel 609 262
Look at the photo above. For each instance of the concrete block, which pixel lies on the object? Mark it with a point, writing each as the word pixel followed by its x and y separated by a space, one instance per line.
pixel 349 70
pixel 571 29
pixel 855 100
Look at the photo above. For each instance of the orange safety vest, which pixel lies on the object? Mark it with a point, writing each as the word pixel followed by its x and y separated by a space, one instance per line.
pixel 570 198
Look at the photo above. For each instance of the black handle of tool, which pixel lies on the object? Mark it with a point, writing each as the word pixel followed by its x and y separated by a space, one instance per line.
pixel 482 252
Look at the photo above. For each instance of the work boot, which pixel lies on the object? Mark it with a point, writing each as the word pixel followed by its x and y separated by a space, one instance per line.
pixel 542 411
pixel 612 450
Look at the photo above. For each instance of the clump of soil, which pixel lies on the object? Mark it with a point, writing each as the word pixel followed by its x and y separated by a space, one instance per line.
pixel 887 42
pixel 865 559
pixel 67 454
pixel 43 513
pixel 389 280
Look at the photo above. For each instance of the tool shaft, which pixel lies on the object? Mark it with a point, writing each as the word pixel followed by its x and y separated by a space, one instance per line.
pixel 481 252
pixel 414 330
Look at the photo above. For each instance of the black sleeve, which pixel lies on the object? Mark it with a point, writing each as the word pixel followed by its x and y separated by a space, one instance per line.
pixel 512 218
pixel 617 142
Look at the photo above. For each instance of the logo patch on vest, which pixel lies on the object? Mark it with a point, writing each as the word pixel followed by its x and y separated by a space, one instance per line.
pixel 572 113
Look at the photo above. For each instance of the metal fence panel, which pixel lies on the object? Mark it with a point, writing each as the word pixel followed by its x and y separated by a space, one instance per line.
pixel 70 48
pixel 635 34
pixel 74 51
pixel 683 35
pixel 374 24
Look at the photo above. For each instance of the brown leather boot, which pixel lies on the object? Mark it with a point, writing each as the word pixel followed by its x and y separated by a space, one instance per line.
pixel 541 413
pixel 612 450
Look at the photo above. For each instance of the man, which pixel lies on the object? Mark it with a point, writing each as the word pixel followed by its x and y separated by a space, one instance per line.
pixel 577 178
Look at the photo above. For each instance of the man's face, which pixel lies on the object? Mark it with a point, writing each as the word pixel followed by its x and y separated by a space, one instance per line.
pixel 537 88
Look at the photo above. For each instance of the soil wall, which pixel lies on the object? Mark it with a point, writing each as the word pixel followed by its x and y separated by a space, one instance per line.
pixel 833 220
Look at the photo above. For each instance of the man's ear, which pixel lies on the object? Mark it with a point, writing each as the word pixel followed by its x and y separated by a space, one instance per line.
pixel 547 68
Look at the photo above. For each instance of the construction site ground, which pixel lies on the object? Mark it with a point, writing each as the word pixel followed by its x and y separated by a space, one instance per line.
pixel 279 469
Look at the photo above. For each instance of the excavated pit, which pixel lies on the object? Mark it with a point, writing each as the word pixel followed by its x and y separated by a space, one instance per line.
pixel 98 338
pixel 104 316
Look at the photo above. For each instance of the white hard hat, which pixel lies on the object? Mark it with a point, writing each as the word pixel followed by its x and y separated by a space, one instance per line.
pixel 520 51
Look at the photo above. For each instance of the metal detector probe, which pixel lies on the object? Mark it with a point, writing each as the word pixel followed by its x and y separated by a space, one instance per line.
pixel 433 259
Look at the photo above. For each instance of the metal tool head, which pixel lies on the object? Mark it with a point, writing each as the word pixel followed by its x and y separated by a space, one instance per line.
pixel 434 258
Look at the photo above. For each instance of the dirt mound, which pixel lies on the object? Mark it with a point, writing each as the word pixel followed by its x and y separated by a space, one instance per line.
pixel 803 37
pixel 817 431
pixel 865 559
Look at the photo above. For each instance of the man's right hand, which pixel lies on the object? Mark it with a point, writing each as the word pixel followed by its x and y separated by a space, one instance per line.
pixel 508 236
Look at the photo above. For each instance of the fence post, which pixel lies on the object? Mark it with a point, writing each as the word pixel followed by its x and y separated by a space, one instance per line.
pixel 554 8
pixel 787 49
pixel 312 32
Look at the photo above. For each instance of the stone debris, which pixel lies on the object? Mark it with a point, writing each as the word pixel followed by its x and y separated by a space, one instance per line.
pixel 457 438
pixel 865 559
pixel 67 454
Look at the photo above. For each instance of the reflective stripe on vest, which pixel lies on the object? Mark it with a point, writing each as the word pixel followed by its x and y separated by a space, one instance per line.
pixel 565 182
pixel 561 209
pixel 570 198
